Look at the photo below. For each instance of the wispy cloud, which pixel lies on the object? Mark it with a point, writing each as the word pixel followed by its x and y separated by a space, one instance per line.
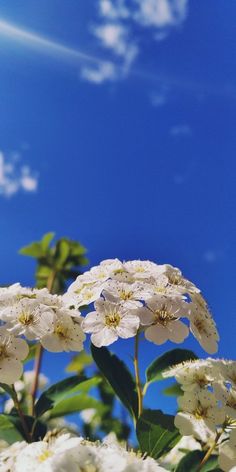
pixel 181 130
pixel 121 23
pixel 15 176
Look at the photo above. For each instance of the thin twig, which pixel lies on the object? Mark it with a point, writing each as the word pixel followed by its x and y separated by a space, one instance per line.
pixel 137 375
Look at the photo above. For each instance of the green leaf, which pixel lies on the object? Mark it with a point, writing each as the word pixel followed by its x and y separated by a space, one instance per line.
pixel 174 390
pixel 62 252
pixel 192 460
pixel 156 433
pixel 118 376
pixel 46 240
pixel 158 366
pixel 8 389
pixel 76 404
pixel 32 250
pixel 8 430
pixel 59 391
pixel 79 362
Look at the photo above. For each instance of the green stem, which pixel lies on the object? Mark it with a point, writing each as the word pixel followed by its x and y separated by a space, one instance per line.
pixel 21 414
pixel 210 450
pixel 137 375
pixel 39 353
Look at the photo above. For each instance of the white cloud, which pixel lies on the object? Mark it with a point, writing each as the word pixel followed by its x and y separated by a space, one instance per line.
pixel 161 13
pixel 101 73
pixel 14 176
pixel 114 10
pixel 180 130
pixel 120 29
pixel 116 38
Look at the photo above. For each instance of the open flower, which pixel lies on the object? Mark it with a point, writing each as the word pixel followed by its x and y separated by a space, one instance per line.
pixel 202 325
pixel 200 414
pixel 227 453
pixel 162 315
pixel 29 318
pixel 194 375
pixel 66 334
pixel 12 351
pixel 110 321
pixel 128 295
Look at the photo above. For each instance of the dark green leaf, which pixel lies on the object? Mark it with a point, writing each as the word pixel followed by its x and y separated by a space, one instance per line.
pixel 76 404
pixel 192 460
pixel 169 359
pixel 8 389
pixel 156 433
pixel 173 390
pixel 39 429
pixel 59 391
pixel 119 377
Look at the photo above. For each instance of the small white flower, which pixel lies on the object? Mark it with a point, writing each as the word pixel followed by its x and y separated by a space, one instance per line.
pixel 200 414
pixel 227 453
pixel 110 321
pixel 80 294
pixel 12 351
pixel 142 269
pixel 186 443
pixel 129 295
pixel 28 318
pixel 9 455
pixel 176 279
pixel 66 334
pixel 162 314
pixel 193 376
pixel 202 325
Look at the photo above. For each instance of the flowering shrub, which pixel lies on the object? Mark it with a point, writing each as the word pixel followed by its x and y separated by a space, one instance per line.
pixel 134 299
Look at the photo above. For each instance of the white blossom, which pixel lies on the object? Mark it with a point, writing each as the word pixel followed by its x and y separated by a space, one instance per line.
pixel 66 333
pixel 9 455
pixel 162 315
pixel 28 317
pixel 129 295
pixel 227 453
pixel 202 325
pixel 193 375
pixel 12 351
pixel 200 415
pixel 110 321
pixel 77 455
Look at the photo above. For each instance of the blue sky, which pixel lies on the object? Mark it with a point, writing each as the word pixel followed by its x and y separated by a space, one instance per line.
pixel 117 128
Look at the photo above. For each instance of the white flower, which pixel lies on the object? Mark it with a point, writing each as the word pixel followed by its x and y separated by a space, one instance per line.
pixel 66 334
pixel 80 293
pixel 186 443
pixel 28 317
pixel 40 456
pixel 176 279
pixel 110 321
pixel 129 295
pixel 227 453
pixel 162 314
pixel 193 376
pixel 12 294
pixel 202 325
pixel 142 269
pixel 77 455
pixel 9 455
pixel 12 351
pixel 28 380
pixel 201 414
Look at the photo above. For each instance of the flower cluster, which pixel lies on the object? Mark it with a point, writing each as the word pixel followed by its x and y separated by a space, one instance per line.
pixel 37 316
pixel 144 296
pixel 57 454
pixel 208 404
